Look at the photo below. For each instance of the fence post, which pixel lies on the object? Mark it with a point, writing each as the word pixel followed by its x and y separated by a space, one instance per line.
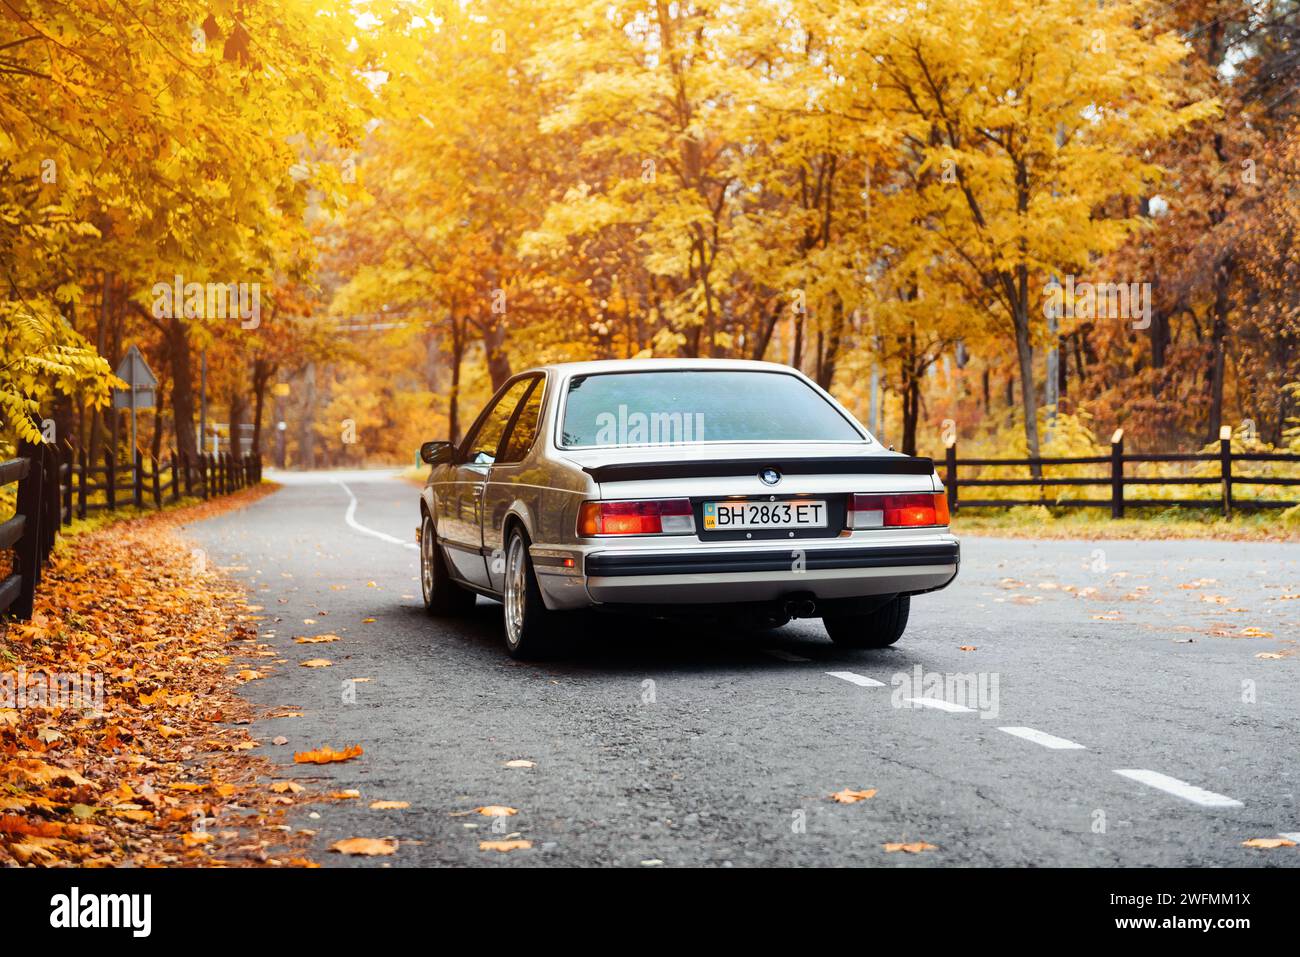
pixel 1117 474
pixel 28 548
pixel 110 479
pixel 81 484
pixel 185 468
pixel 157 486
pixel 176 486
pixel 49 500
pixel 205 472
pixel 1225 467
pixel 950 475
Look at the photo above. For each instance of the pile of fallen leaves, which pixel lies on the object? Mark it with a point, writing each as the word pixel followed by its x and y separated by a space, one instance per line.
pixel 155 769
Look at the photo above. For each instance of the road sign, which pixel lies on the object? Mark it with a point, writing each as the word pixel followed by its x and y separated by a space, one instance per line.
pixel 142 387
pixel 142 384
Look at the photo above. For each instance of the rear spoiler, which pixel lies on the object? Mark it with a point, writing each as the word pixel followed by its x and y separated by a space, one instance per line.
pixel 705 468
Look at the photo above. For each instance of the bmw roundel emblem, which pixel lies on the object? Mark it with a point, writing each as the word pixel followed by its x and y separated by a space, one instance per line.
pixel 770 476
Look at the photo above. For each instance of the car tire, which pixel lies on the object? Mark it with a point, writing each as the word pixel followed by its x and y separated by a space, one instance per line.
pixel 531 629
pixel 443 597
pixel 875 629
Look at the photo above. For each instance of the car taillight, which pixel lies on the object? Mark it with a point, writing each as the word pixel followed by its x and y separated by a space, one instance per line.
pixel 669 516
pixel 898 511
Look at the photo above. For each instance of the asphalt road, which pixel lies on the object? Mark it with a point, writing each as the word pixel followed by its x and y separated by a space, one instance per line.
pixel 659 745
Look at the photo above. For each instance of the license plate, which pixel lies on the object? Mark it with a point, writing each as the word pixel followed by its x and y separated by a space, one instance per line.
pixel 722 516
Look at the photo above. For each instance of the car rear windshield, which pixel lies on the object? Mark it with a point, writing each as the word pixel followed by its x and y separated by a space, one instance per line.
pixel 689 406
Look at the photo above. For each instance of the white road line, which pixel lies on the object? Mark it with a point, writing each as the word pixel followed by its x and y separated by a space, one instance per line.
pixel 783 655
pixel 938 703
pixel 1290 835
pixel 1188 792
pixel 351 518
pixel 861 680
pixel 1045 739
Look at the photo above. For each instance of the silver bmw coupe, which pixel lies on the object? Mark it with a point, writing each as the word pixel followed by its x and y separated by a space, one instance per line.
pixel 672 487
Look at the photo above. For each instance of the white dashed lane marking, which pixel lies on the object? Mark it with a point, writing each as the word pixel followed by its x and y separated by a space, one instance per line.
pixel 1045 739
pixel 1188 792
pixel 938 703
pixel 861 680
pixel 783 655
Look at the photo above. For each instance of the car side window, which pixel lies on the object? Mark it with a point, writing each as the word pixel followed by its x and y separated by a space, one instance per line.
pixel 524 432
pixel 481 448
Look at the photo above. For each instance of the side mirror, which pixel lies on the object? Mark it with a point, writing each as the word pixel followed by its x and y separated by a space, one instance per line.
pixel 437 452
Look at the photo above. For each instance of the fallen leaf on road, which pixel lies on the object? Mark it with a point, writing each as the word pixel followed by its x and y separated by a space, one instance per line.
pixel 504 846
pixel 1253 632
pixel 248 675
pixel 849 796
pixel 520 763
pixel 346 794
pixel 966 648
pixel 368 621
pixel 1268 843
pixel 1113 616
pixel 316 663
pixel 369 846
pixel 316 639
pixel 194 839
pixel 291 787
pixel 1216 599
pixel 1269 656
pixel 389 805
pixel 280 739
pixel 916 847
pixel 327 755
pixel 496 810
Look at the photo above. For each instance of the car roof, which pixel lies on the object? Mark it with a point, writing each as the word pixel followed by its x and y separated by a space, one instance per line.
pixel 565 369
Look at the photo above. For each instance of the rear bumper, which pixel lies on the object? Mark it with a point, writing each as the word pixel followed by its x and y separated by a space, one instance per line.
pixel 724 575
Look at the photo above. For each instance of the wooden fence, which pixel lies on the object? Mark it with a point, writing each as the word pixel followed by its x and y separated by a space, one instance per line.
pixel 1115 479
pixel 54 485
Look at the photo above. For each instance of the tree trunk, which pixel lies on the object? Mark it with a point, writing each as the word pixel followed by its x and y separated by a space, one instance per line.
pixel 498 362
pixel 766 328
pixel 911 409
pixel 1028 395
pixel 453 400
pixel 827 360
pixel 262 372
pixel 237 404
pixel 1218 335
pixel 178 349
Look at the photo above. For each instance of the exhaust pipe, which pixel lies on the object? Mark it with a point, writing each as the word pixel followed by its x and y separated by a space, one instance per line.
pixel 800 608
